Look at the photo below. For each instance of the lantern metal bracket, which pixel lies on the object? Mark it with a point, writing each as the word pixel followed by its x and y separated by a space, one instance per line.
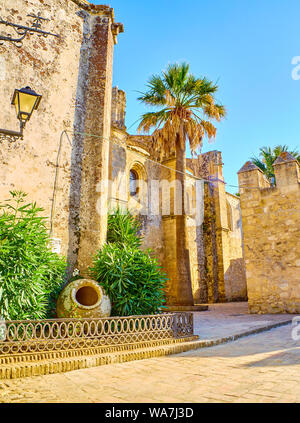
pixel 6 134
pixel 22 31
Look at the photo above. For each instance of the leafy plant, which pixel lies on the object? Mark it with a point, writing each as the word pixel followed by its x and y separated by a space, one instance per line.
pixel 267 157
pixel 31 275
pixel 123 228
pixel 131 277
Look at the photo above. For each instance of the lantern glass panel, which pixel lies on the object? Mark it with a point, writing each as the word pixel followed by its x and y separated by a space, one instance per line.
pixel 27 103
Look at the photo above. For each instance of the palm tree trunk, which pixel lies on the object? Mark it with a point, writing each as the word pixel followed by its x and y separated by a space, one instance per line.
pixel 184 285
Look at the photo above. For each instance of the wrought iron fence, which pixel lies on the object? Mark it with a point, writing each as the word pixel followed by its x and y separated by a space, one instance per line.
pixel 29 336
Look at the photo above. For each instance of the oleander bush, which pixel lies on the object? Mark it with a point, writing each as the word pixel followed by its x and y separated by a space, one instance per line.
pixel 31 275
pixel 123 228
pixel 130 276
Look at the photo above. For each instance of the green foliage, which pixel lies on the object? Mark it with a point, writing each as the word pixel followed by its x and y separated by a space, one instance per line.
pixel 267 157
pixel 123 228
pixel 184 108
pixel 31 276
pixel 131 277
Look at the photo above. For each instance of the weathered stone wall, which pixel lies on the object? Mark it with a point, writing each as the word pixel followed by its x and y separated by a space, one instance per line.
pixel 210 284
pixel 118 108
pixel 234 262
pixel 271 230
pixel 194 207
pixel 61 170
pixel 96 141
pixel 222 269
pixel 127 153
pixel 50 66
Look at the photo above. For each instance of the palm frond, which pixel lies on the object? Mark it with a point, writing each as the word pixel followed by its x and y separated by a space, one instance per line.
pixel 188 108
pixel 267 157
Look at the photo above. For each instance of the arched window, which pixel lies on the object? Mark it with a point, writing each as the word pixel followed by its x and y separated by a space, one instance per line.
pixel 133 178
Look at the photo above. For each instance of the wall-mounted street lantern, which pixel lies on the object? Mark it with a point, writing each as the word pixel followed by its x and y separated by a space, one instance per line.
pixel 25 101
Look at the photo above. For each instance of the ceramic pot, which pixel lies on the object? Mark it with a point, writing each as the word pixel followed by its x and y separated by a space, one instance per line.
pixel 83 298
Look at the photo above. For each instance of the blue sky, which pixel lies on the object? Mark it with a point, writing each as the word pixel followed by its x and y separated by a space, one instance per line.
pixel 245 45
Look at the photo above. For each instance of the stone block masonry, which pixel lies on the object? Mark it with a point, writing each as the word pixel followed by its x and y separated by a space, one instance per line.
pixel 73 73
pixel 221 268
pixel 271 230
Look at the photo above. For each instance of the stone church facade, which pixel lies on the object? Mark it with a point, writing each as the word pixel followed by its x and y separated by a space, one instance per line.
pixel 77 141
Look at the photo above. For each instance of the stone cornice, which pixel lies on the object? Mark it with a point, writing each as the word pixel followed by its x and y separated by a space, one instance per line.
pixel 82 3
pixel 96 9
pixel 102 10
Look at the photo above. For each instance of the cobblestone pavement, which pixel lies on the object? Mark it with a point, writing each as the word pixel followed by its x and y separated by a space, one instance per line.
pixel 258 368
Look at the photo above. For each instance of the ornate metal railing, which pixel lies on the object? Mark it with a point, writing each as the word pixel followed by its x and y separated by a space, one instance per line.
pixel 29 336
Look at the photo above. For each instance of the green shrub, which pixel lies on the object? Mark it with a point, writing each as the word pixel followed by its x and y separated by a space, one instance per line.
pixel 131 277
pixel 31 275
pixel 122 227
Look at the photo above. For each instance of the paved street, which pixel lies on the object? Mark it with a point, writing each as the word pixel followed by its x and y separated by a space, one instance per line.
pixel 227 319
pixel 258 368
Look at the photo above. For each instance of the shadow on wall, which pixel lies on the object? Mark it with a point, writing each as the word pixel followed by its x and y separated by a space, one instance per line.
pixel 235 281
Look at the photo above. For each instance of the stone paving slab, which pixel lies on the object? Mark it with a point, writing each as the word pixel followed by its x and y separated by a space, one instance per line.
pixel 227 319
pixel 259 368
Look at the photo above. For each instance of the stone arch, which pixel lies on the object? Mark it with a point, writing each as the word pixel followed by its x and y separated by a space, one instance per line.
pixel 138 198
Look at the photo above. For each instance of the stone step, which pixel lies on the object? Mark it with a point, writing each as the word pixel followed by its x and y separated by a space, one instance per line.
pixel 86 351
pixel 23 365
pixel 57 362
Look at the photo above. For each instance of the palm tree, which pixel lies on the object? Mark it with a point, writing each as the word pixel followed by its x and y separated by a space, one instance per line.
pixel 267 157
pixel 185 108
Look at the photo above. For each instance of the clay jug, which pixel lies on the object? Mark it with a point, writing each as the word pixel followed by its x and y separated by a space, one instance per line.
pixel 83 298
